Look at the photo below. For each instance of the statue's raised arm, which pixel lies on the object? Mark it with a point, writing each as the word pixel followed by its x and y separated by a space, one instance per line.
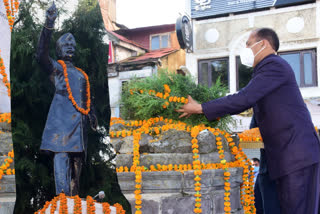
pixel 44 40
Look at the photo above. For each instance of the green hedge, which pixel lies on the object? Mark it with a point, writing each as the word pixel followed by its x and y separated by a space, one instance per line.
pixel 142 106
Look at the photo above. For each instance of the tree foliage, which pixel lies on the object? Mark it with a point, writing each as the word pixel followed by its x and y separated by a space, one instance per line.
pixel 142 106
pixel 32 93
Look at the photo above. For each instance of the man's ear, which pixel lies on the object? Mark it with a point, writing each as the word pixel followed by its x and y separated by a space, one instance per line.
pixel 267 44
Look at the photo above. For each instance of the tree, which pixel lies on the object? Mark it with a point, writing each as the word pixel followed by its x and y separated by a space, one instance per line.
pixel 32 93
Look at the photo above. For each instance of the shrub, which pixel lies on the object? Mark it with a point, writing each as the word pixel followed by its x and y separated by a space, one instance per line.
pixel 141 98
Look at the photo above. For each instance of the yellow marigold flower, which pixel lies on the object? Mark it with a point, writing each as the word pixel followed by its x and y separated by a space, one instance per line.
pixel 138 197
pixel 193 141
pixel 198 199
pixel 227 174
pixel 227 204
pixel 227 209
pixel 175 99
pixel 227 194
pixel 197 188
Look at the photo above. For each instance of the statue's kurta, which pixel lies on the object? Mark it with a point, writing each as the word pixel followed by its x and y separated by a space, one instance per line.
pixel 65 126
pixel 65 129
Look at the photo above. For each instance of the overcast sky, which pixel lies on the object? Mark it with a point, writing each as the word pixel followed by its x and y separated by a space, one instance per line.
pixel 141 13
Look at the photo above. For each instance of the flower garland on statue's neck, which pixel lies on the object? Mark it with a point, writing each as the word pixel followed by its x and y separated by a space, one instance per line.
pixel 71 98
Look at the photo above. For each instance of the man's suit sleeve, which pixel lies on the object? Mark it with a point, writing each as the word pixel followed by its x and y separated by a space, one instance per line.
pixel 268 78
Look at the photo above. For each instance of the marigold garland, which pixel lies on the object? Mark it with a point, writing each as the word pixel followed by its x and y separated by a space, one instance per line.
pixel 63 209
pixel 197 169
pixel 250 135
pixel 77 209
pixel 4 168
pixel 106 208
pixel 226 174
pixel 71 98
pixel 11 10
pixel 5 118
pixel 165 95
pixel 119 208
pixel 144 127
pixel 4 75
pixel 90 205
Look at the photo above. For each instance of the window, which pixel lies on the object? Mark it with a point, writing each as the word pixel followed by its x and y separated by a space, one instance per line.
pixel 244 74
pixel 160 41
pixel 210 70
pixel 303 64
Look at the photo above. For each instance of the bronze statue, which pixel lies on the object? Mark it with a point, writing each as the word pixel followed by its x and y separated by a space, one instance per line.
pixel 65 132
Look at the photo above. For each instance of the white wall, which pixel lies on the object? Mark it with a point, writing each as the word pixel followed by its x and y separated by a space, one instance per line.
pixel 5 39
pixel 115 86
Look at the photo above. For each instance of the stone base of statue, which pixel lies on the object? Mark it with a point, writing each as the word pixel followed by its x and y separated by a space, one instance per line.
pixel 70 207
pixel 172 192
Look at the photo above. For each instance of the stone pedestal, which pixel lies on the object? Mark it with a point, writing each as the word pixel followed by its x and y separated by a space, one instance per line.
pixel 171 192
pixel 7 183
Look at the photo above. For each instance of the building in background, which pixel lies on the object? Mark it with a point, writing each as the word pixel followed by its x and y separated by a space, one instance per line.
pixel 138 52
pixel 221 28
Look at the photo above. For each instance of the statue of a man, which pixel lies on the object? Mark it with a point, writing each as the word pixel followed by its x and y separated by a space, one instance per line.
pixel 65 132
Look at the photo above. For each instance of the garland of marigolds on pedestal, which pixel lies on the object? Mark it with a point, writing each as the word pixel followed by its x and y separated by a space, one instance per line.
pixel 77 207
pixel 144 127
pixel 197 169
pixel 5 118
pixel 6 164
pixel 71 98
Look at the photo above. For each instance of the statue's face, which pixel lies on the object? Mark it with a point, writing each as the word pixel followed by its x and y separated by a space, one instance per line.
pixel 66 45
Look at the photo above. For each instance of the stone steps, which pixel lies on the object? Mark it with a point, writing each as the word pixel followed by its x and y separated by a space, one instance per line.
pixel 172 192
pixel 7 194
pixel 7 183
pixel 6 144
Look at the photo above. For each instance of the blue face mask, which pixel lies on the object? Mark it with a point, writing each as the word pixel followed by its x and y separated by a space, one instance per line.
pixel 256 169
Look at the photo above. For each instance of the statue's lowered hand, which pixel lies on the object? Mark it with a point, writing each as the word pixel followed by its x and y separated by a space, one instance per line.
pixel 52 13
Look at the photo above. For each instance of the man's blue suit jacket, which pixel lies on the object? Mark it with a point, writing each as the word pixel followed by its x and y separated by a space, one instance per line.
pixel 290 139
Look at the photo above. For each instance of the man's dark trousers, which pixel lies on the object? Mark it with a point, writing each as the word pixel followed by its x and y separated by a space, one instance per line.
pixel 265 190
pixel 303 195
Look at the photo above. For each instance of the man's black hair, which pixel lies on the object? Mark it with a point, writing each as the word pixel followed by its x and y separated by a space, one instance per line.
pixel 255 160
pixel 270 35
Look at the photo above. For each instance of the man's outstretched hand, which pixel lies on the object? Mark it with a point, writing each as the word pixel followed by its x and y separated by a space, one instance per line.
pixel 192 107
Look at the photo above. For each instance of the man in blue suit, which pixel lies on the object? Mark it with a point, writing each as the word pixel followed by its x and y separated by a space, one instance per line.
pixel 291 144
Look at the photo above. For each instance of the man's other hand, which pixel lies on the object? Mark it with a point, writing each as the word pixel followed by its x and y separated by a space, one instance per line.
pixel 192 107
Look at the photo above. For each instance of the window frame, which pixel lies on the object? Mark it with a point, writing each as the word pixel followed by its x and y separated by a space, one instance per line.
pixel 160 40
pixel 301 53
pixel 200 61
pixel 238 60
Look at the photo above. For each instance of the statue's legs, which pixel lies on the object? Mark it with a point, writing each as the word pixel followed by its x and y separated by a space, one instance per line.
pixel 62 172
pixel 76 164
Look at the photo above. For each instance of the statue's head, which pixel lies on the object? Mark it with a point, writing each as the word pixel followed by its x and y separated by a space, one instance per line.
pixel 65 47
